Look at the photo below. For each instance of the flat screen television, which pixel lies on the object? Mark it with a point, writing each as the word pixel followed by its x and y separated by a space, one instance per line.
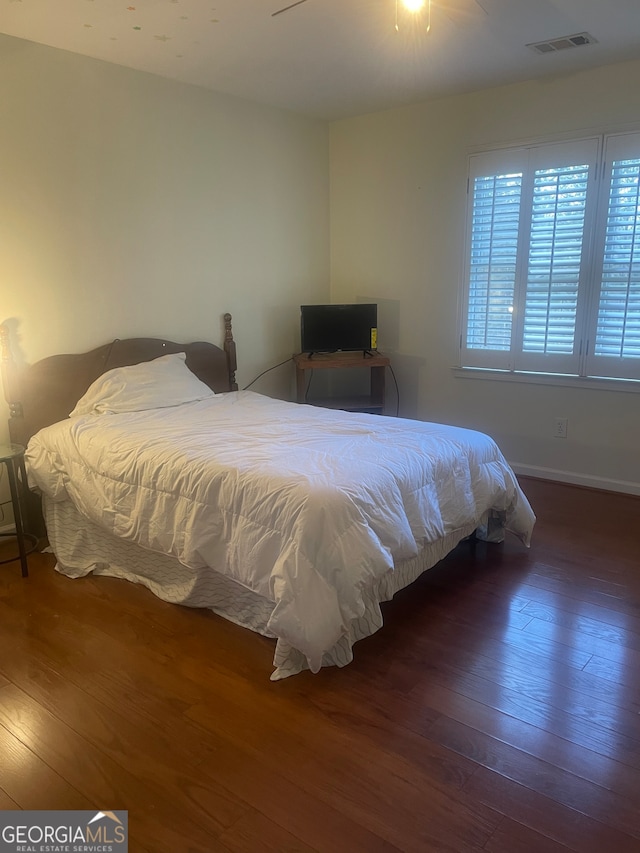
pixel 334 328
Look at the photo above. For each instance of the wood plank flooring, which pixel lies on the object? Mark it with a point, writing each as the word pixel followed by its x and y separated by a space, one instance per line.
pixel 497 710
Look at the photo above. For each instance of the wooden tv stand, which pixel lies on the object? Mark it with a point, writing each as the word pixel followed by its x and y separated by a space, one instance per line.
pixel 376 364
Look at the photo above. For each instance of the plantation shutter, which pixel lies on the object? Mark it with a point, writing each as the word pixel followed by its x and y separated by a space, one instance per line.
pixel 494 198
pixel 552 300
pixel 615 334
pixel 552 260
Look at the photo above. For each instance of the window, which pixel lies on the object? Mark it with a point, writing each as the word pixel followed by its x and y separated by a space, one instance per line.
pixel 552 275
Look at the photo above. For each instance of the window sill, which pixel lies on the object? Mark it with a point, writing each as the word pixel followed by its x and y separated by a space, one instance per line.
pixel 590 382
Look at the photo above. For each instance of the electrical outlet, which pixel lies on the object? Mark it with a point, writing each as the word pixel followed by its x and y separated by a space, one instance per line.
pixel 560 427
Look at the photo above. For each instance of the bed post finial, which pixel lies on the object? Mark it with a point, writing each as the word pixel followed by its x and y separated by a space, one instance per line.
pixel 5 357
pixel 230 349
pixel 5 348
pixel 9 379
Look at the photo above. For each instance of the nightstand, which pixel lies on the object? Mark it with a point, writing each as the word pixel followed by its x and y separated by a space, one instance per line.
pixel 12 456
pixel 374 362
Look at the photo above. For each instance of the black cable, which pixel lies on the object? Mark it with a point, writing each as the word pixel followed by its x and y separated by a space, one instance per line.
pixel 267 371
pixel 397 391
pixel 306 392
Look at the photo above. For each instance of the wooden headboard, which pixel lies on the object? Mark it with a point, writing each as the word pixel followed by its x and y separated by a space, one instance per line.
pixel 45 392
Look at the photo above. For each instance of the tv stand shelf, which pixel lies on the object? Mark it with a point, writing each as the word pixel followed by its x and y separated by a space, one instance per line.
pixel 376 364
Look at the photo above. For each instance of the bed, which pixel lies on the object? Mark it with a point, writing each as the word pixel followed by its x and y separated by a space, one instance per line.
pixel 293 521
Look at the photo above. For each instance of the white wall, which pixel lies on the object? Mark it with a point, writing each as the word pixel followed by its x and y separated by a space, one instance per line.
pixel 398 194
pixel 132 205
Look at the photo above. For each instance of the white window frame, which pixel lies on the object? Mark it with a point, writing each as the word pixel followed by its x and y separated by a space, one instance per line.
pixel 597 151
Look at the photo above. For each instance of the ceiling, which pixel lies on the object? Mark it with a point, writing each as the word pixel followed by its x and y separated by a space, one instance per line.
pixel 331 59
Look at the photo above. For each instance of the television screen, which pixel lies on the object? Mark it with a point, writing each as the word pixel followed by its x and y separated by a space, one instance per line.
pixel 331 328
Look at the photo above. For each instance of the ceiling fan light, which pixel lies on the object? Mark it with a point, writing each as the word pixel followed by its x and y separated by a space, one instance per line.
pixel 413 5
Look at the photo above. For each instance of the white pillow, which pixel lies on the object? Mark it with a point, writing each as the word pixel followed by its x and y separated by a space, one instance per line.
pixel 157 384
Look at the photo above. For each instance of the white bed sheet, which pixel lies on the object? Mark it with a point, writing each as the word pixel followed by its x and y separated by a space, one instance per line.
pixel 306 508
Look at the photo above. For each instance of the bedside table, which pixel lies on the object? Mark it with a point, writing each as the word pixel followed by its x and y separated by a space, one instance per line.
pixel 374 362
pixel 12 456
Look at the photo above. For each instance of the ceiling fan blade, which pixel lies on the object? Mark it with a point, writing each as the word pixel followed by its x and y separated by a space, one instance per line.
pixel 286 8
pixel 461 10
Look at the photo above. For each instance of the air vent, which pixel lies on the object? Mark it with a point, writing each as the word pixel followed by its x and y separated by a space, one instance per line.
pixel 562 43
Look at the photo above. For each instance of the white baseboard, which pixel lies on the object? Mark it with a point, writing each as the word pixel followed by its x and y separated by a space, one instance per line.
pixel 625 486
pixel 8 528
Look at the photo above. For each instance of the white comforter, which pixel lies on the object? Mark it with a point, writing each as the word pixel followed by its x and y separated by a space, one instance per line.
pixel 304 506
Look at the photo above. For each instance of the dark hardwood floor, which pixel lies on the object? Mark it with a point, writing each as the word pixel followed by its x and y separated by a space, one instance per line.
pixel 497 710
